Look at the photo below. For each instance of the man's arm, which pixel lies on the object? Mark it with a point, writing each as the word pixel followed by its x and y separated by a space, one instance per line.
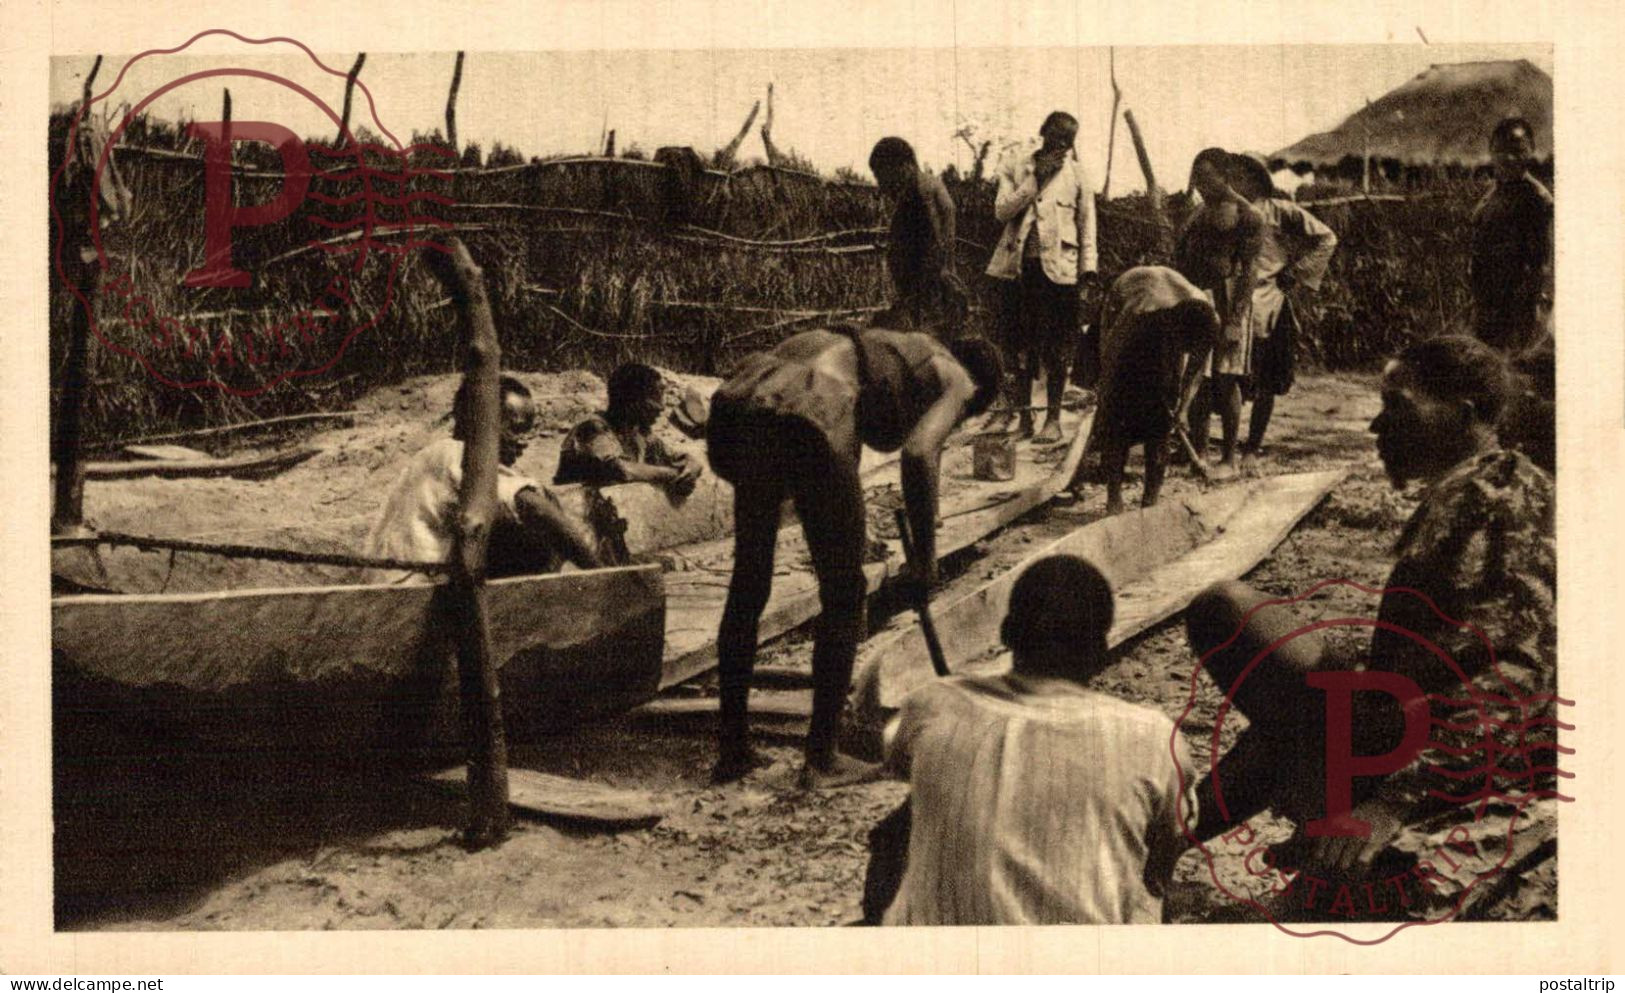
pixel 593 456
pixel 1088 249
pixel 1013 197
pixel 549 525
pixel 921 457
pixel 940 209
pixel 1249 235
pixel 1313 244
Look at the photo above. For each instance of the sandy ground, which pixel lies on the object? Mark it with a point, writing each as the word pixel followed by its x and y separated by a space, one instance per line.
pixel 224 845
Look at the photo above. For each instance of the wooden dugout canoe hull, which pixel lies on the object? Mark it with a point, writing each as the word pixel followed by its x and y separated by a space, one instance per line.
pixel 343 667
pixel 1157 560
pixel 327 668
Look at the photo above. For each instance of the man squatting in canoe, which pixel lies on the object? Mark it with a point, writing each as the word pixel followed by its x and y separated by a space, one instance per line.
pixel 792 422
pixel 617 445
pixel 532 534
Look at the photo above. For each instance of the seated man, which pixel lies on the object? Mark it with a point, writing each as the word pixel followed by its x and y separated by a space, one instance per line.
pixel 616 446
pixel 531 534
pixel 1480 548
pixel 1037 800
pixel 792 423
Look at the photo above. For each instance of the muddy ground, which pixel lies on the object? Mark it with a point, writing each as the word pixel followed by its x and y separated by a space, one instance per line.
pixel 231 844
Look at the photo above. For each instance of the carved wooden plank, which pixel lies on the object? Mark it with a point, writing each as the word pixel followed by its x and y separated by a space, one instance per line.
pixel 544 795
pixel 244 466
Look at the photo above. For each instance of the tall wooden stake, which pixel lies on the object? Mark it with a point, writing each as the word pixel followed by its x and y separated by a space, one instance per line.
pixel 481 692
pixel 349 89
pixel 451 103
pixel 1111 139
pixel 774 156
pixel 1153 192
pixel 724 159
pixel 68 505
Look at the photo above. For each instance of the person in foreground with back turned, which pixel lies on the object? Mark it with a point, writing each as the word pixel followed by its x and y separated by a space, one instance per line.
pixel 792 422
pixel 1036 800
pixel 1479 548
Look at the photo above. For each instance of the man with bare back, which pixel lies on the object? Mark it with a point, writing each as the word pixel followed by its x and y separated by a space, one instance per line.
pixel 792 423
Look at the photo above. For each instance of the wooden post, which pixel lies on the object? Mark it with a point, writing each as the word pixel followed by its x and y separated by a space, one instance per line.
pixel 225 136
pixel 481 694
pixel 1111 140
pixel 724 159
pixel 774 156
pixel 451 103
pixel 1365 154
pixel 1153 192
pixel 349 88
pixel 68 505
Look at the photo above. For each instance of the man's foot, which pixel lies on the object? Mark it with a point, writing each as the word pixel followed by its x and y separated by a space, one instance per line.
pixel 1050 433
pixel 1000 420
pixel 843 770
pixel 1226 469
pixel 1250 463
pixel 1114 507
pixel 735 764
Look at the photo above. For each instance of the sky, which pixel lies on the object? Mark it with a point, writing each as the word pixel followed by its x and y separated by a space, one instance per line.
pixel 830 104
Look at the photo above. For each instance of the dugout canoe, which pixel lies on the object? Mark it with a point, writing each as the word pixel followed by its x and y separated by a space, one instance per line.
pixel 1156 559
pixel 337 668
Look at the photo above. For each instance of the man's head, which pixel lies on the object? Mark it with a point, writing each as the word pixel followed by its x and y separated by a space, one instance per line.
pixel 636 395
pixel 1512 147
pixel 518 413
pixel 1060 612
pixel 1208 174
pixel 893 164
pixel 1441 400
pixel 981 359
pixel 1189 328
pixel 1059 131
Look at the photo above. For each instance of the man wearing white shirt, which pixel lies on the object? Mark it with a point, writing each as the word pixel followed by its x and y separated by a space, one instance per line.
pixel 1045 257
pixel 531 533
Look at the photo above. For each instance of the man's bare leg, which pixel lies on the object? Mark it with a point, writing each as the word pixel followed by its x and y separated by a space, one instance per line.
pixel 1229 404
pixel 1156 465
pixel 1199 420
pixel 1258 422
pixel 1113 463
pixel 1054 389
pixel 756 531
pixel 1274 696
pixel 1024 392
pixel 829 501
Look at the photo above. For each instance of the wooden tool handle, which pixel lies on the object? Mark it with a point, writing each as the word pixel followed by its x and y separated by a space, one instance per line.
pixel 922 605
